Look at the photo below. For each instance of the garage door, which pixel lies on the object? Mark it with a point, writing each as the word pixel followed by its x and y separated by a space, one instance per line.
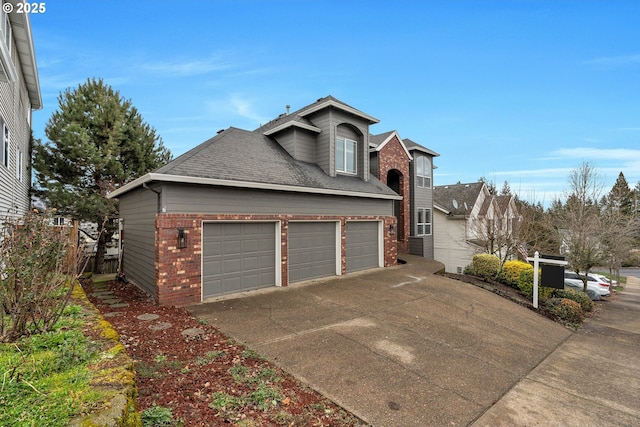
pixel 312 250
pixel 362 245
pixel 237 257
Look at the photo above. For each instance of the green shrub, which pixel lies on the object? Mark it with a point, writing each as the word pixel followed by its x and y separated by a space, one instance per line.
pixel 565 310
pixel 511 271
pixel 159 416
pixel 469 270
pixel 525 284
pixel 580 297
pixel 486 266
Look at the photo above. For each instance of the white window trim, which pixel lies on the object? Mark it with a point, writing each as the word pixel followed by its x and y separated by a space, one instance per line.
pixel 344 141
pixel 424 161
pixel 5 146
pixel 424 224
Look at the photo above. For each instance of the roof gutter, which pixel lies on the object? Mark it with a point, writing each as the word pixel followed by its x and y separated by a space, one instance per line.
pixel 21 27
pixel 161 177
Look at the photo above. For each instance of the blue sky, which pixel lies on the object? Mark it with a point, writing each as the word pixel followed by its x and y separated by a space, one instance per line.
pixel 522 91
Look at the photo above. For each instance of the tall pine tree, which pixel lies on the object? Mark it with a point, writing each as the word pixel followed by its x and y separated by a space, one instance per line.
pixel 621 197
pixel 98 141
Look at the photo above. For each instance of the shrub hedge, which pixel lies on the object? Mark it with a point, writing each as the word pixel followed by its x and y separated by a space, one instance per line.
pixel 511 271
pixel 486 266
pixel 580 297
pixel 525 284
pixel 565 310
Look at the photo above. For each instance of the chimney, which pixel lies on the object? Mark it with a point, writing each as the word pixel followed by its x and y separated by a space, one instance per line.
pixel 288 107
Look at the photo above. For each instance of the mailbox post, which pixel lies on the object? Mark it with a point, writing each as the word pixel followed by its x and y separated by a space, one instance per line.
pixel 536 265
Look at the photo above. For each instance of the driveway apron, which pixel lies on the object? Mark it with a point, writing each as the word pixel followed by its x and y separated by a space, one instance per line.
pixel 398 346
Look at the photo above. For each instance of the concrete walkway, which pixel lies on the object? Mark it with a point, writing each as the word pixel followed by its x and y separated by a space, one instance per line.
pixel 398 346
pixel 592 379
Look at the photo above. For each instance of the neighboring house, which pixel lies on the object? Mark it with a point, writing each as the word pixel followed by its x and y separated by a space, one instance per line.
pixel 469 220
pixel 19 96
pixel 290 201
pixel 88 238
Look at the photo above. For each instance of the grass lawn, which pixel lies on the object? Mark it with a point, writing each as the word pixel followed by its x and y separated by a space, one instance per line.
pixel 50 379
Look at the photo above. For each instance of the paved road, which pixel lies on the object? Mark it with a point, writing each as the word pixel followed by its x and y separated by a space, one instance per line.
pixel 635 272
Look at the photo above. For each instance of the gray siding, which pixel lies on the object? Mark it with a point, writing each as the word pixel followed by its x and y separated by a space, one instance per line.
pixel 139 208
pixel 300 144
pixel 15 110
pixel 324 148
pixel 421 246
pixel 340 118
pixel 215 200
pixel 416 246
pixel 305 146
pixel 286 139
pixel 420 198
pixel 373 164
pixel 328 120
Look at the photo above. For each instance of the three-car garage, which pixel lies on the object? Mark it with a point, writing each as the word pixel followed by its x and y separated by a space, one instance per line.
pixel 247 255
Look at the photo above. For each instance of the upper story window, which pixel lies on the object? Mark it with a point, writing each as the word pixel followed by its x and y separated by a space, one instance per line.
pixel 424 221
pixel 4 144
pixel 423 171
pixel 346 150
pixel 8 71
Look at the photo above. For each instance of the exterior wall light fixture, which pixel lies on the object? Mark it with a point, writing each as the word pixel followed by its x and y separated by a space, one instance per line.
pixel 182 238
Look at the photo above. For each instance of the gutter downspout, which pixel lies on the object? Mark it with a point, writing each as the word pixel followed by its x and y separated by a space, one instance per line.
pixel 146 187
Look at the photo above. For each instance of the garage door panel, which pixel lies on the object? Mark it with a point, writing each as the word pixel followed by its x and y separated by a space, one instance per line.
pixel 312 250
pixel 362 245
pixel 237 257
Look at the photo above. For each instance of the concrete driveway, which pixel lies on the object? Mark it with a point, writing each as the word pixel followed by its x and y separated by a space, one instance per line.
pixel 398 346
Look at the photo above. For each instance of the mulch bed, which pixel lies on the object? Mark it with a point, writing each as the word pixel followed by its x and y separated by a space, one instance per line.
pixel 206 378
pixel 513 294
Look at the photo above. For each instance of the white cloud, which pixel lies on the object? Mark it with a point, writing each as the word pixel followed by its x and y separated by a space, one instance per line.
pixel 187 67
pixel 236 106
pixel 624 154
pixel 613 61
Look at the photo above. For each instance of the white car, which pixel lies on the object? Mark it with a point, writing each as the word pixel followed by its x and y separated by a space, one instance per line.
pixel 572 280
pixel 604 279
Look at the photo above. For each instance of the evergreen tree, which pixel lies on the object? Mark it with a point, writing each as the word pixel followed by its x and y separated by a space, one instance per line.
pixel 621 197
pixel 98 142
pixel 491 186
pixel 506 189
pixel 620 222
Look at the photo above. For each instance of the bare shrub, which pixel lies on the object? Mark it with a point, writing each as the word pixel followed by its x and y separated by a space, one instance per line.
pixel 37 271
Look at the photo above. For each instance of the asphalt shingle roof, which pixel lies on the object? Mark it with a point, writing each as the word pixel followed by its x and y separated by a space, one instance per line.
pixel 454 197
pixel 412 145
pixel 240 155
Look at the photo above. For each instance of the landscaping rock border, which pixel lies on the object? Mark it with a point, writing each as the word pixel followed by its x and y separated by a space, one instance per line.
pixel 115 373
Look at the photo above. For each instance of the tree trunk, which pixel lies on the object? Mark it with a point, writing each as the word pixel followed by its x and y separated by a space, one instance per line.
pixel 98 264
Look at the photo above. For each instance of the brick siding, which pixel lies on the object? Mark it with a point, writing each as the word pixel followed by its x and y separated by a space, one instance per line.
pixel 393 157
pixel 178 270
